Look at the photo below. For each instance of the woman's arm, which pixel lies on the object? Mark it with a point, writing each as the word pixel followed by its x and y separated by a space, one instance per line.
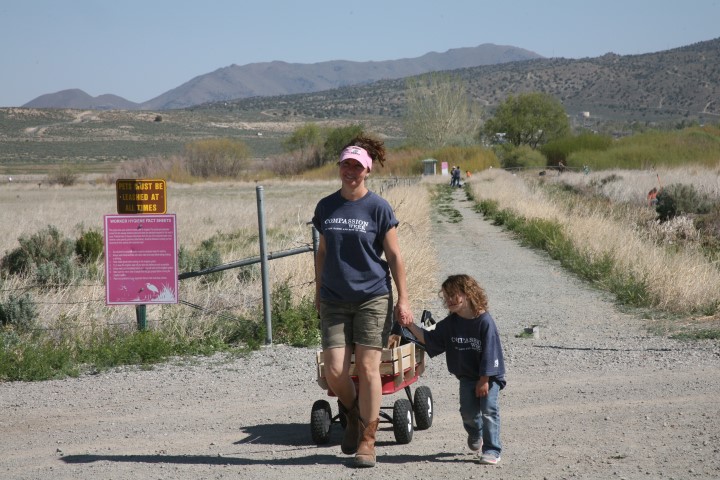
pixel 391 247
pixel 319 264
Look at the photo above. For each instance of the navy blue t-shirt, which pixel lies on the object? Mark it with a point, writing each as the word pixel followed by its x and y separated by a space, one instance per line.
pixel 472 347
pixel 354 231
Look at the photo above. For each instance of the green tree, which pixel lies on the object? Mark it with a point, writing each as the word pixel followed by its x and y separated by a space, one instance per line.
pixel 337 138
pixel 528 119
pixel 440 111
pixel 307 142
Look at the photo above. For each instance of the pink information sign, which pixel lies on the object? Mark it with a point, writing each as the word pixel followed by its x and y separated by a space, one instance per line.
pixel 140 259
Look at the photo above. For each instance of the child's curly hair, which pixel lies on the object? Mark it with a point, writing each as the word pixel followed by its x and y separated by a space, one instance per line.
pixel 375 148
pixel 476 296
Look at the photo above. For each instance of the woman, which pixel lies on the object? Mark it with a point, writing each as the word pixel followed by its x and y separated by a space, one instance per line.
pixel 354 292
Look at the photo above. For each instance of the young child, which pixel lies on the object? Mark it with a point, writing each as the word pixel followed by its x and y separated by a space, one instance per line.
pixel 470 341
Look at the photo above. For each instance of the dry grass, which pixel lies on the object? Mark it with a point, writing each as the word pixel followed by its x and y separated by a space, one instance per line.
pixel 679 278
pixel 220 210
pixel 632 186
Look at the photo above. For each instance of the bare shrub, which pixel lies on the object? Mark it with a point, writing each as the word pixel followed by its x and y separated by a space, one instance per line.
pixel 216 157
pixel 289 164
pixel 65 176
pixel 709 223
pixel 677 230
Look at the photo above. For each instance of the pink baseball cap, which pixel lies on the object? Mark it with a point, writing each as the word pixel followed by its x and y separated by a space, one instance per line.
pixel 357 153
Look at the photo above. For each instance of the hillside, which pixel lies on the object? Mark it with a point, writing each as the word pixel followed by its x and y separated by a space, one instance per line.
pixel 666 88
pixel 676 85
pixel 681 84
pixel 282 78
pixel 76 98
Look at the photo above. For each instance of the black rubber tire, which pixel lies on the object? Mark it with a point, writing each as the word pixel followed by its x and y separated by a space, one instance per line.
pixel 341 417
pixel 403 421
pixel 423 408
pixel 320 422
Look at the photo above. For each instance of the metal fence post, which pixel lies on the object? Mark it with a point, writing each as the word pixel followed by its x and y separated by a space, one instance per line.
pixel 140 315
pixel 315 240
pixel 264 265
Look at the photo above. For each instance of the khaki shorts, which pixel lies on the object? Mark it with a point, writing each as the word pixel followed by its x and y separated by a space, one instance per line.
pixel 364 323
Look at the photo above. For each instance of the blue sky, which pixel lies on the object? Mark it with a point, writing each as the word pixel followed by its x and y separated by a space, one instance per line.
pixel 139 49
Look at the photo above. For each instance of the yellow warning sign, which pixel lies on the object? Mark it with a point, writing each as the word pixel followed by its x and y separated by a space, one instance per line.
pixel 141 196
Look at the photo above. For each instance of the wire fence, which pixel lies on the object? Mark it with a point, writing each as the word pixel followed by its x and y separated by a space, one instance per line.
pixel 380 185
pixel 224 312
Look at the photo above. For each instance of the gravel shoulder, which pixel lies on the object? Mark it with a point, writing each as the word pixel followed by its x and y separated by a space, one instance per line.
pixel 594 396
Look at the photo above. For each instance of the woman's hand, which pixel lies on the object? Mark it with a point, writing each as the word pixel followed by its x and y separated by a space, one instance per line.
pixel 403 314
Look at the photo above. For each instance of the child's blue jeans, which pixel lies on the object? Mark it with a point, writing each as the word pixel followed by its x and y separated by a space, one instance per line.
pixel 481 416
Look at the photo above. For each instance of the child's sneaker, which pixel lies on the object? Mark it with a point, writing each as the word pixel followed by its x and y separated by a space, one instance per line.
pixel 474 444
pixel 489 459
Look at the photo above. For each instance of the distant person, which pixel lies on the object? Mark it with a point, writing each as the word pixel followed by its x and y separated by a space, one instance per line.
pixel 456 177
pixel 652 197
pixel 469 338
pixel 561 167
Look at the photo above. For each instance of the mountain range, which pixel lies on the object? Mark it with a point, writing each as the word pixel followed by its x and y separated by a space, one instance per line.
pixel 280 78
pixel 674 86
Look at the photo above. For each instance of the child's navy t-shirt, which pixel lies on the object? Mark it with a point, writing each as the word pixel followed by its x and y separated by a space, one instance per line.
pixel 472 347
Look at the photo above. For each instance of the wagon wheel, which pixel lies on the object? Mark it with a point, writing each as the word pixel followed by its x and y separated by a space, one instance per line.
pixel 343 418
pixel 320 422
pixel 403 420
pixel 423 408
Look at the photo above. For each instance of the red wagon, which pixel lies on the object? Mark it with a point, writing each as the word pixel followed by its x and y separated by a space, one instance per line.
pixel 400 367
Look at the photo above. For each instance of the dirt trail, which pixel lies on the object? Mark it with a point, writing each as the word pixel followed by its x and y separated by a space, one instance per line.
pixel 594 397
pixel 39 131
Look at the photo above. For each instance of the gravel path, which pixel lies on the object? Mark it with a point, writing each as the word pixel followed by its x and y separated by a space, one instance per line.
pixel 594 396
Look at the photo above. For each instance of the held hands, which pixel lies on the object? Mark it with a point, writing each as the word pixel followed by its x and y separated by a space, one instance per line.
pixel 403 314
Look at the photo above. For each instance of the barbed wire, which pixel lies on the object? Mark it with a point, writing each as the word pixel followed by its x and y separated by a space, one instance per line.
pixel 222 312
pixel 51 286
pixel 58 286
pixel 95 300
pixel 102 300
pixel 82 325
